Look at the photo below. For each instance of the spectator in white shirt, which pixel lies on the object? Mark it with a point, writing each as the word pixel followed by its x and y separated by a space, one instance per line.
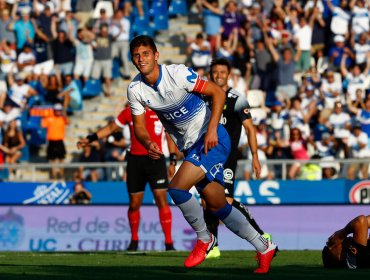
pixel 340 17
pixel 340 123
pixel 358 143
pixel 303 32
pixel 360 18
pixel 120 29
pixel 362 50
pixel 200 52
pixel 26 59
pixel 84 53
pixel 331 90
pixel 8 59
pixel 19 92
pixel 356 79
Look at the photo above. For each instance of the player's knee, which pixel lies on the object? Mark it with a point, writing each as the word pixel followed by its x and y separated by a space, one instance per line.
pixel 179 196
pixel 134 206
pixel 222 212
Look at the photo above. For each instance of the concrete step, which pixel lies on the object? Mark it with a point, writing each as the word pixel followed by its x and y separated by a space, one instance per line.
pixel 86 123
pixel 172 59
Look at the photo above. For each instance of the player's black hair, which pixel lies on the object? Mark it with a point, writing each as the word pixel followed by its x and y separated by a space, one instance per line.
pixel 328 260
pixel 221 61
pixel 142 40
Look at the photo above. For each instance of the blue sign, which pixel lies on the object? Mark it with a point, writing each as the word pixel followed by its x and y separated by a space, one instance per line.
pixel 249 192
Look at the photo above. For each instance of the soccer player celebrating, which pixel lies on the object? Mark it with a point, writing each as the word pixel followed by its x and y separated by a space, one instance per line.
pixel 173 92
pixel 352 252
pixel 140 170
pixel 236 113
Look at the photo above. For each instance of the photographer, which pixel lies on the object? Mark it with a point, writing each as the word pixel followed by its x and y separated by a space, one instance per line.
pixel 80 195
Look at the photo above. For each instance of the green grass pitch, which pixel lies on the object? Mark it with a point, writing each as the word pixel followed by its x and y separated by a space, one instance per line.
pixel 295 265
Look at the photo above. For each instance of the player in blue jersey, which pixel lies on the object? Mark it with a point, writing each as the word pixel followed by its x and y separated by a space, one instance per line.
pixel 174 93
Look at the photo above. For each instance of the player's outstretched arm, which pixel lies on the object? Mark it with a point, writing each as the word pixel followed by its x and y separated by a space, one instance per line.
pixel 101 133
pixel 143 136
pixel 218 101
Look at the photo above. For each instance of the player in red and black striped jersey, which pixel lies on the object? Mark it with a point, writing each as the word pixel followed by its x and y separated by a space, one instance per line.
pixel 141 169
pixel 349 252
pixel 235 115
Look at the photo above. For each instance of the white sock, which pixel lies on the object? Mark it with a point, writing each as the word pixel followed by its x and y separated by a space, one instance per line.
pixel 238 224
pixel 193 214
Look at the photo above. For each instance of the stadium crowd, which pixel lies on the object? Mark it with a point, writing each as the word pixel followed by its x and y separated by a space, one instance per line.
pixel 303 66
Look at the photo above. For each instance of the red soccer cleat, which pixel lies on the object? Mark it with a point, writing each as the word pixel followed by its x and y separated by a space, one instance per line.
pixel 200 251
pixel 264 259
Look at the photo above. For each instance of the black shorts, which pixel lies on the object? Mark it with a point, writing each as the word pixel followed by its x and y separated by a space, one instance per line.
pixel 142 170
pixel 56 150
pixel 229 174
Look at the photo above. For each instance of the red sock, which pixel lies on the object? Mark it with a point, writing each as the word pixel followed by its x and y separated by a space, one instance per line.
pixel 134 219
pixel 165 217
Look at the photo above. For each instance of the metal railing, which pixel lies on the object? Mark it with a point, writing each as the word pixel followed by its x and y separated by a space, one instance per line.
pixel 36 172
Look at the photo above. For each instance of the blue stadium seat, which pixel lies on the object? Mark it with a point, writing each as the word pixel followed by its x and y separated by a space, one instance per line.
pixel 33 123
pixel 137 30
pixel 79 84
pixel 92 88
pixel 4 174
pixel 115 68
pixel 178 7
pixel 145 9
pixel 160 15
pixel 25 154
pixel 38 137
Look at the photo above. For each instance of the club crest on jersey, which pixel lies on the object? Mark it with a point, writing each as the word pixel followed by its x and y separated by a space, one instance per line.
pixel 246 111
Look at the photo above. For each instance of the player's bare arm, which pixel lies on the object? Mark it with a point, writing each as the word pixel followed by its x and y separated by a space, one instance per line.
pixel 101 133
pixel 218 101
pixel 351 227
pixel 143 136
pixel 252 141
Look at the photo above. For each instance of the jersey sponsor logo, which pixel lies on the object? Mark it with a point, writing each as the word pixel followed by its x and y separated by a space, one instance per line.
pixel 232 95
pixel 161 181
pixel 223 120
pixel 176 114
pixel 192 77
pixel 228 176
pixel 360 193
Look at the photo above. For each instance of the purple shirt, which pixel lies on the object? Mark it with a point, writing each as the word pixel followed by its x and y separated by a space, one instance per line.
pixel 231 21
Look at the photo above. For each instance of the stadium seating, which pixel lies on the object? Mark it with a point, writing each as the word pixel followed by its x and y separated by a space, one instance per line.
pixel 115 68
pixel 38 137
pixel 178 7
pixel 4 174
pixel 92 88
pixel 159 12
pixel 25 154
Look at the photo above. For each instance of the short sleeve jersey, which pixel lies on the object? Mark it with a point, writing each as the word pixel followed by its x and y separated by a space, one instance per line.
pixel 176 100
pixel 153 125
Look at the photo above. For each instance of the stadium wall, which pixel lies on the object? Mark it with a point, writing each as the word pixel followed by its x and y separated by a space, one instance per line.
pixel 106 228
pixel 253 192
